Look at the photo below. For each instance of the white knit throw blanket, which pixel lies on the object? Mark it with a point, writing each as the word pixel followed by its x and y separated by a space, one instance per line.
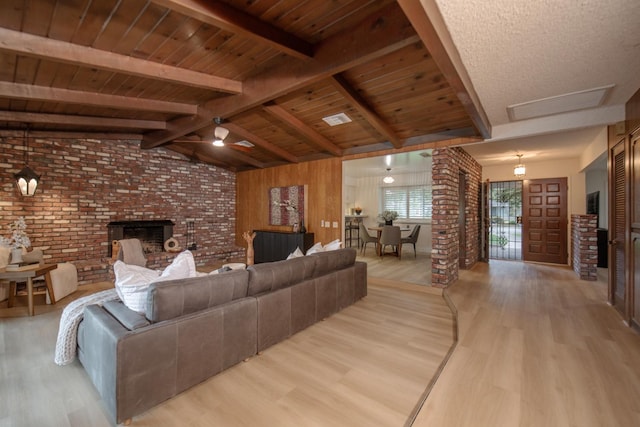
pixel 68 330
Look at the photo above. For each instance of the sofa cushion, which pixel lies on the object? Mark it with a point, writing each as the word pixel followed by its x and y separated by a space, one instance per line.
pixel 271 276
pixel 334 260
pixel 174 298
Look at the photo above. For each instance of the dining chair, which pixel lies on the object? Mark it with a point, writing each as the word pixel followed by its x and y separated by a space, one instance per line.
pixel 365 238
pixel 390 237
pixel 411 238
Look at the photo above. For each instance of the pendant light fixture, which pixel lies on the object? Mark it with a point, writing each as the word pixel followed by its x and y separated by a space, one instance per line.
pixel 27 180
pixel 388 179
pixel 519 170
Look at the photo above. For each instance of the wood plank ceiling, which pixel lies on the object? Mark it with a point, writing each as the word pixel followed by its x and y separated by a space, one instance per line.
pixel 162 71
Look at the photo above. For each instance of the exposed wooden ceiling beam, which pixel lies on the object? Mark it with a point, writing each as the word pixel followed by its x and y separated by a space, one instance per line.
pixel 260 142
pixel 365 109
pixel 110 136
pixel 59 51
pixel 228 18
pixel 381 33
pixel 49 94
pixel 302 128
pixel 89 121
pixel 436 38
pixel 225 152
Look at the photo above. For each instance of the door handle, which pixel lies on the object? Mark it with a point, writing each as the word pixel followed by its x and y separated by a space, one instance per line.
pixel 613 242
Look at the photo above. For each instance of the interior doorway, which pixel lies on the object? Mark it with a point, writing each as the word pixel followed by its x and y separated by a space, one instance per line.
pixel 505 213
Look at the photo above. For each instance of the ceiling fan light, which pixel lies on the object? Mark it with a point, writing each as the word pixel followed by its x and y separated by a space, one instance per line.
pixel 220 132
pixel 218 142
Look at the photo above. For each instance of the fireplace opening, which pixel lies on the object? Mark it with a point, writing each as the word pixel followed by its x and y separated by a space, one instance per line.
pixel 152 234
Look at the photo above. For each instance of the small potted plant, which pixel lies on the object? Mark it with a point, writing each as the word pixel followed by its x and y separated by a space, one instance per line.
pixel 388 217
pixel 18 240
pixel 358 210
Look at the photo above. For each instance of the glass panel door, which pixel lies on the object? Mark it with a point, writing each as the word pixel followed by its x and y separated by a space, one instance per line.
pixel 505 235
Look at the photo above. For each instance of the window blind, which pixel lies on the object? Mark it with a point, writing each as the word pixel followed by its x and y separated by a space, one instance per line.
pixel 412 202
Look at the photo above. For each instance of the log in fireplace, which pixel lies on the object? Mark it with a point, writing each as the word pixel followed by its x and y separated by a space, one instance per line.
pixel 152 234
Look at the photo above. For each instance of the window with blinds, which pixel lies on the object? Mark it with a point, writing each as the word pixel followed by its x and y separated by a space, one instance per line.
pixel 412 202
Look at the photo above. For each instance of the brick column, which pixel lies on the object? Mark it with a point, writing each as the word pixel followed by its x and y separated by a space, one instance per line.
pixel 584 244
pixel 447 164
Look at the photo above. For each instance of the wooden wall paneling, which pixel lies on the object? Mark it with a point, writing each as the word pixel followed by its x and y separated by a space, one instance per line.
pixel 324 197
pixel 631 132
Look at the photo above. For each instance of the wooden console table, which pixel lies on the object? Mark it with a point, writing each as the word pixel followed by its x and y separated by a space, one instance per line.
pixel 27 274
pixel 277 245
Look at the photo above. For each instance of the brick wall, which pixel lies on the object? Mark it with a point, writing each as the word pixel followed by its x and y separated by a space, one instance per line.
pixel 447 164
pixel 584 244
pixel 85 184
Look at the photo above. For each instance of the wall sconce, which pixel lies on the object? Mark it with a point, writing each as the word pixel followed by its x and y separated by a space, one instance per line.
pixel 27 180
pixel 388 179
pixel 519 170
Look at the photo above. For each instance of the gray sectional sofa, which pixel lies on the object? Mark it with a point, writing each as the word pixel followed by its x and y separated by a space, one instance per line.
pixel 195 328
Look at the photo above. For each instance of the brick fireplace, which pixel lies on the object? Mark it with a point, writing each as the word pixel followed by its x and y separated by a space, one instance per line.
pixel 152 234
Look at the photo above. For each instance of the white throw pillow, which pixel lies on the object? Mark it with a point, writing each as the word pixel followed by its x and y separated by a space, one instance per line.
pixel 315 248
pixel 295 254
pixel 332 246
pixel 132 282
pixel 181 267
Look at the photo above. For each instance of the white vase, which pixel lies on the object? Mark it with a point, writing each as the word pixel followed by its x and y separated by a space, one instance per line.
pixel 16 255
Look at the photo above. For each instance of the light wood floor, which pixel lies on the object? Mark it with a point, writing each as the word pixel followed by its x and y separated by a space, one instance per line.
pixel 409 268
pixel 367 365
pixel 538 347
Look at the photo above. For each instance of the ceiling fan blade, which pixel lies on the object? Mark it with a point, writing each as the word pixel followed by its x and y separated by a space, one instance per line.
pixel 198 141
pixel 239 148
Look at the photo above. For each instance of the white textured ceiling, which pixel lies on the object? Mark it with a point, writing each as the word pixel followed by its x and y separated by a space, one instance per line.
pixel 517 51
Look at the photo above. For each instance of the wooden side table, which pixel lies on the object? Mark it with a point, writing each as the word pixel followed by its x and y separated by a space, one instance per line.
pixel 28 274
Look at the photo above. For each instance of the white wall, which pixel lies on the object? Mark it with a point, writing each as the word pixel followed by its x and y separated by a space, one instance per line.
pixel 367 195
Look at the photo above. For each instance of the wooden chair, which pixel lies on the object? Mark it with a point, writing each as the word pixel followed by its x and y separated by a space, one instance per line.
pixel 411 238
pixel 365 238
pixel 390 237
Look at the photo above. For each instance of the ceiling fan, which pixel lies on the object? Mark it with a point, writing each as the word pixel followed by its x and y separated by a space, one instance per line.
pixel 218 137
pixel 219 133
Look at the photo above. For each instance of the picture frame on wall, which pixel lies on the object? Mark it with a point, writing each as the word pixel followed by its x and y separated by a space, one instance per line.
pixel 287 205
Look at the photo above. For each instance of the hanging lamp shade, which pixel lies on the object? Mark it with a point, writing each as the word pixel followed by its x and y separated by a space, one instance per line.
pixel 388 179
pixel 27 181
pixel 519 170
